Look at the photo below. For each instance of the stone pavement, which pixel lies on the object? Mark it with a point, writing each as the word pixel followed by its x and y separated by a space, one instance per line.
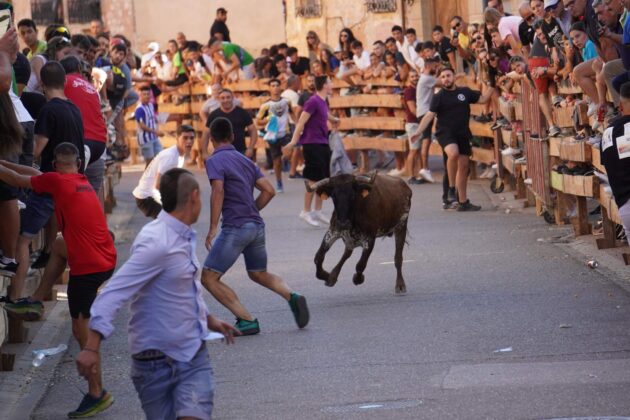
pixel 476 283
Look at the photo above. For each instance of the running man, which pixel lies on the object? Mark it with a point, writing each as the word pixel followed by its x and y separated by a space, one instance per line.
pixel 233 178
pixel 451 106
pixel 90 249
pixel 311 132
pixel 147 192
pixel 171 367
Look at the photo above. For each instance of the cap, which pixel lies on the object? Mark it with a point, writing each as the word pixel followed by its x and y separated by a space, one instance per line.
pixel 115 41
pixel 153 47
pixel 550 3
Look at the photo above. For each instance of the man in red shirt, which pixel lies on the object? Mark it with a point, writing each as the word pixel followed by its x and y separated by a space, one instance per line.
pixel 90 249
pixel 85 96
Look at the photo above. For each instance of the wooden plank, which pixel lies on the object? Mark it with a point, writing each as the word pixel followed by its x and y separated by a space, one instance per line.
pixel 372 123
pixel 477 109
pixel 366 101
pixel 173 108
pixel 481 129
pixel 581 186
pixel 375 143
pixel 200 89
pixel 195 106
pixel 566 88
pixel 596 159
pixel 253 102
pixel 253 85
pixel 482 155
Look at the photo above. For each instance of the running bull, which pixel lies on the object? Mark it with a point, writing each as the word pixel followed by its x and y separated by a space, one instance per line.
pixel 366 207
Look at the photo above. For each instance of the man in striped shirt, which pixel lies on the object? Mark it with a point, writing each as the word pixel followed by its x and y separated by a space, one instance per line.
pixel 148 132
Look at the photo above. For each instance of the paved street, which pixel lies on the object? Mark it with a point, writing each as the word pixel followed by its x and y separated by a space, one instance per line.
pixel 476 283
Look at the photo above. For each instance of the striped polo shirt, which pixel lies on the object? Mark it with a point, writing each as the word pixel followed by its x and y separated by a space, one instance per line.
pixel 146 115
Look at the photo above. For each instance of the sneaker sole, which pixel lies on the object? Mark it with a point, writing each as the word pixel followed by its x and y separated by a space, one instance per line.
pixel 24 314
pixel 97 409
pixel 302 317
pixel 250 331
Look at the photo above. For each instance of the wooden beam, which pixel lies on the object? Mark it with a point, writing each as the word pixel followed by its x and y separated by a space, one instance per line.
pixel 375 143
pixel 481 129
pixel 366 101
pixel 482 155
pixel 372 123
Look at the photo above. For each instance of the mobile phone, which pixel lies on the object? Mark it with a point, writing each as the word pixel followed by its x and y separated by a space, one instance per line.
pixel 455 34
pixel 5 21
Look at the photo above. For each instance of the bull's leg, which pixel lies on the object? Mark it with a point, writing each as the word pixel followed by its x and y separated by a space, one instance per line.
pixel 367 251
pixel 329 239
pixel 334 274
pixel 401 236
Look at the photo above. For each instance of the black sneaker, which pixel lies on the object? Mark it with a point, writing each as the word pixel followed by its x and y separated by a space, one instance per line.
pixel 300 309
pixel 449 205
pixel 416 181
pixel 41 261
pixel 451 195
pixel 468 206
pixel 91 406
pixel 296 176
pixel 8 269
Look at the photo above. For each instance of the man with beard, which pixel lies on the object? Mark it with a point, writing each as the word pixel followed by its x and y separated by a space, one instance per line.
pixel 451 106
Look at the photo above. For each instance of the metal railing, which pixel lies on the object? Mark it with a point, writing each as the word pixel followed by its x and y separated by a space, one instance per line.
pixel 83 11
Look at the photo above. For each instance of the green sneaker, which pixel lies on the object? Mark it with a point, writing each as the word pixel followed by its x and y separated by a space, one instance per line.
pixel 91 406
pixel 26 309
pixel 300 310
pixel 247 327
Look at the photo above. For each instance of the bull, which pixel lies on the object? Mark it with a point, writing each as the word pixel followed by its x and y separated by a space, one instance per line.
pixel 366 208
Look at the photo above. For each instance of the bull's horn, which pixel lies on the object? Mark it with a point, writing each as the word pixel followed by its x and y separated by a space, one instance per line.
pixel 366 179
pixel 315 186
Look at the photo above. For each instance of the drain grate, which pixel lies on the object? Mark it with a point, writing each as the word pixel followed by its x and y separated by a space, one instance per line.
pixel 372 405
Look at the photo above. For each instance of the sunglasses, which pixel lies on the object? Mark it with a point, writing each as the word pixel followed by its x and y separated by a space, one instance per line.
pixel 478 38
pixel 530 17
pixel 457 25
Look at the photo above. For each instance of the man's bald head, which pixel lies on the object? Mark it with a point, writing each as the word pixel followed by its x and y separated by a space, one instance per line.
pixel 524 9
pixel 176 188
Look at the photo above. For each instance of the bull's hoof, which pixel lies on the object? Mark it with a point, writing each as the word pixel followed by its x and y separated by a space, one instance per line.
pixel 322 275
pixel 358 278
pixel 330 283
pixel 400 289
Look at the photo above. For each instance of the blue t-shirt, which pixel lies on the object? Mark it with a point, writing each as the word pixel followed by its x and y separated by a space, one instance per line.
pixel 239 175
pixel 589 51
pixel 146 115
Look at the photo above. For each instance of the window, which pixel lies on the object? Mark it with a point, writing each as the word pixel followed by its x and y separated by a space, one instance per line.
pixel 308 8
pixel 46 12
pixel 381 6
pixel 83 11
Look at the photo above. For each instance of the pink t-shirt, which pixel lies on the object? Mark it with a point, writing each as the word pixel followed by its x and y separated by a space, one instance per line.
pixel 508 25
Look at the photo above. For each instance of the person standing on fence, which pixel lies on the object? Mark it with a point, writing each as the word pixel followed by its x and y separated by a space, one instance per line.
pixel 219 28
pixel 615 149
pixel 274 117
pixel 147 192
pixel 90 249
pixel 171 367
pixel 148 132
pixel 311 132
pixel 233 178
pixel 451 106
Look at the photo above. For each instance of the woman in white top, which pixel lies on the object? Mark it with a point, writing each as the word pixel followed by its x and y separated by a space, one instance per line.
pixel 507 26
pixel 58 48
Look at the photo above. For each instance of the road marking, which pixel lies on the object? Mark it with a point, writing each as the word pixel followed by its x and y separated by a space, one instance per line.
pixel 371 406
pixel 539 373
pixel 393 262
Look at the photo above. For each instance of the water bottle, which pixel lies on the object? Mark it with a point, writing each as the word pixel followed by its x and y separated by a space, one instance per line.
pixel 40 355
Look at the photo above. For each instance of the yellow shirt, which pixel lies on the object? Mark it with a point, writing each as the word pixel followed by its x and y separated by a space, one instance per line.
pixel 464 40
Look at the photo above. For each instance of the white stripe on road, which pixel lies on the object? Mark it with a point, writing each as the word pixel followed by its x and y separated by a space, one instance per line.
pixel 392 262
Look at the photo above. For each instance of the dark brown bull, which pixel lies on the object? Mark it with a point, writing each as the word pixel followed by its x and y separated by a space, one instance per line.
pixel 366 207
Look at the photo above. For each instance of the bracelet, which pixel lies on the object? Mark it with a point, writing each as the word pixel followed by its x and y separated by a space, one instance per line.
pixel 92 350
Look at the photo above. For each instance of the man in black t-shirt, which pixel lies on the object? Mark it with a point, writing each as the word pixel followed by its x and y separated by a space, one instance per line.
pixel 615 152
pixel 526 31
pixel 444 47
pixel 451 106
pixel 241 121
pixel 299 65
pixel 219 29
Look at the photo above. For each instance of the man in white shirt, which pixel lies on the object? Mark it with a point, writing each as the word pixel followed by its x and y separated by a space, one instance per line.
pixel 401 43
pixel 361 57
pixel 147 192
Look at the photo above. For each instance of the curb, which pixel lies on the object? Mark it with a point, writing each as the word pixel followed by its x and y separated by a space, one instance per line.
pixel 22 389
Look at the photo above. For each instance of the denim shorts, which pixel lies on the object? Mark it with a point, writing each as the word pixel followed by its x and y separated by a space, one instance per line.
pixel 169 389
pixel 233 241
pixel 151 149
pixel 39 209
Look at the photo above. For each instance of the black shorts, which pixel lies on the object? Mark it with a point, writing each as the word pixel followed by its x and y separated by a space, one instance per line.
pixel 82 291
pixel 149 207
pixel 462 142
pixel 276 148
pixel 316 161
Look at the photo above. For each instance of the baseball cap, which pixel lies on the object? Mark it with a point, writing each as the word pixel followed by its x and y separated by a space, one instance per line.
pixel 153 47
pixel 550 3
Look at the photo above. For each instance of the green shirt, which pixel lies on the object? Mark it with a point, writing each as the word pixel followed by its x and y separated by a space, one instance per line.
pixel 178 63
pixel 41 48
pixel 230 49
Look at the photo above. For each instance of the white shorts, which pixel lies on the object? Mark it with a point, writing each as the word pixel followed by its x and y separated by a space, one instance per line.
pixel 410 129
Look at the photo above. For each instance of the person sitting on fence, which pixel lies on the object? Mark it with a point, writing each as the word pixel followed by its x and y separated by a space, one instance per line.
pixel 239 64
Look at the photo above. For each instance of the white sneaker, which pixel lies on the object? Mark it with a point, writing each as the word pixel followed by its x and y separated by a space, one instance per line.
pixel 528 181
pixel 395 172
pixel 510 151
pixel 491 173
pixel 426 175
pixel 485 173
pixel 319 215
pixel 495 166
pixel 308 218
pixel 592 109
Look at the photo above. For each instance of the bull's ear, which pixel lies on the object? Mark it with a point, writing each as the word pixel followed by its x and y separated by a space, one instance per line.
pixel 365 192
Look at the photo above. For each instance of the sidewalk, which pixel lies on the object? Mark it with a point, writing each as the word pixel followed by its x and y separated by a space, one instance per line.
pixel 22 388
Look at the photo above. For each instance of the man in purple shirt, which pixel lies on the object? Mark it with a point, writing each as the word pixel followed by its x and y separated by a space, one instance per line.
pixel 233 178
pixel 311 132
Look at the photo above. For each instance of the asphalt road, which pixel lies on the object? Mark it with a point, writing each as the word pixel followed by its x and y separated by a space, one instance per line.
pixel 476 283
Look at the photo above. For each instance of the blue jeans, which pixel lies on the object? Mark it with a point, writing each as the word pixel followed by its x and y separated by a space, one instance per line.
pixel 169 389
pixel 233 241
pixel 39 209
pixel 151 149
